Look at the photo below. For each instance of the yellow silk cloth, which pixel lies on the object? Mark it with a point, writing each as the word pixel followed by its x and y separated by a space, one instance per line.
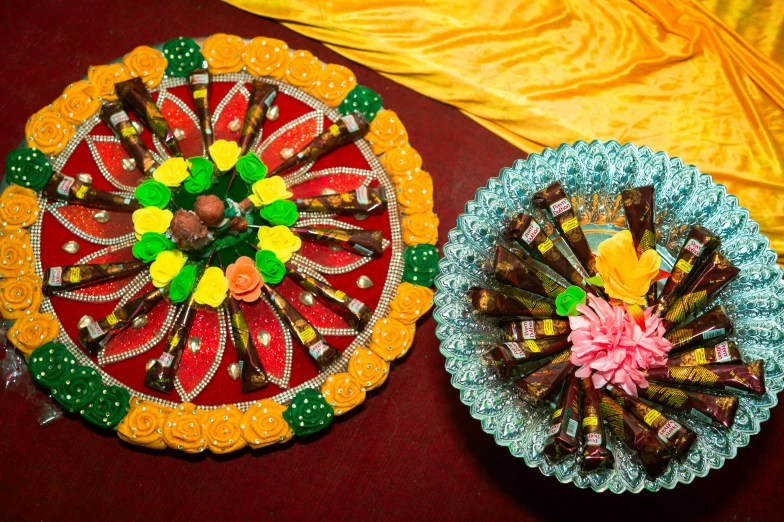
pixel 702 80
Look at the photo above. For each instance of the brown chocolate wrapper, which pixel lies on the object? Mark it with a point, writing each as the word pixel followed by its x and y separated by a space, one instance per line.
pixel 638 204
pixel 114 116
pixel 707 408
pixel 66 188
pixel 353 311
pixel 555 200
pixel 529 234
pixel 521 304
pixel 160 374
pixel 654 455
pixel 712 325
pixel 305 334
pixel 135 96
pixel 538 385
pixel 535 329
pixel 562 437
pixel 699 245
pixel 511 270
pixel 199 82
pixel 749 378
pixel 368 243
pixel 719 353
pixel 713 276
pixel 364 200
pixel 504 357
pixel 677 437
pixel 596 455
pixel 94 336
pixel 343 131
pixel 261 99
pixel 62 278
pixel 252 374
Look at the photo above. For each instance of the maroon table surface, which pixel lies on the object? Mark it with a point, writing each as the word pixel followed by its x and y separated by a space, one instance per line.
pixel 412 451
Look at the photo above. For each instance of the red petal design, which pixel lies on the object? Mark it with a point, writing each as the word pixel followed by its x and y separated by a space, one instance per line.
pixel 260 316
pixel 294 137
pixel 236 108
pixel 192 144
pixel 195 368
pixel 109 155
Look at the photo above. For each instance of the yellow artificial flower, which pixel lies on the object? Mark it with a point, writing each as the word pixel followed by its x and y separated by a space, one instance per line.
pixel 625 276
pixel 279 240
pixel 267 190
pixel 172 172
pixel 225 154
pixel 151 219
pixel 212 287
pixel 166 267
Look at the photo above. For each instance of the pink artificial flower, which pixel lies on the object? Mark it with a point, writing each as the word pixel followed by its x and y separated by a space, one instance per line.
pixel 609 346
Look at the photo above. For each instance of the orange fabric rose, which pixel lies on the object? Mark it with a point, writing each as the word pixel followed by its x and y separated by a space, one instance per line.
pixel 401 163
pixel 266 57
pixel 333 84
pixel 31 331
pixel 625 276
pixel 244 279
pixel 18 207
pixel 78 102
pixel 103 78
pixel 386 131
pixel 223 53
pixel 144 424
pixel 420 228
pixel 20 296
pixel 303 70
pixel 48 131
pixel 415 193
pixel 146 63
pixel 16 254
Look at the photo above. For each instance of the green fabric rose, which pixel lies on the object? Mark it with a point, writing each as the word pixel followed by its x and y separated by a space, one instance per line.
pixel 152 193
pixel 308 413
pixel 271 268
pixel 566 303
pixel 49 363
pixel 108 408
pixel 420 265
pixel 28 168
pixel 280 212
pixel 77 388
pixel 361 99
pixel 184 57
pixel 201 175
pixel 251 168
pixel 150 245
pixel 182 285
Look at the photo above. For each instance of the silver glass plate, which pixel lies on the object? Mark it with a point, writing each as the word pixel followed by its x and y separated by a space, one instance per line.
pixel 594 174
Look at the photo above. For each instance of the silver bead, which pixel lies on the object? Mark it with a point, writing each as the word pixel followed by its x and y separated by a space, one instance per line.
pixel 102 216
pixel 335 247
pixel 361 216
pixel 306 298
pixel 71 247
pixel 138 126
pixel 327 192
pixel 150 364
pixel 194 344
pixel 129 164
pixel 234 125
pixel 234 371
pixel 85 178
pixel 286 153
pixel 364 282
pixel 85 321
pixel 273 113
pixel 139 322
pixel 264 338
pixel 179 134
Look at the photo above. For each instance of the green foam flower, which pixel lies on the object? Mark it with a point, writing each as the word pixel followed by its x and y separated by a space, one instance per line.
pixel 251 168
pixel 200 178
pixel 566 303
pixel 152 193
pixel 183 283
pixel 271 268
pixel 150 245
pixel 280 212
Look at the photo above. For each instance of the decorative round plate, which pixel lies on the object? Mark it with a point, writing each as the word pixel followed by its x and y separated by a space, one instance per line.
pixel 74 138
pixel 594 175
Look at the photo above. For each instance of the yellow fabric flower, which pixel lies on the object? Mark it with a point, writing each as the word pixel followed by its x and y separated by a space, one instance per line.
pixel 18 207
pixel 20 296
pixel 151 219
pixel 78 102
pixel 212 287
pixel 172 172
pixel 368 368
pixel 420 228
pixel 625 276
pixel 410 303
pixel 48 131
pixel 263 424
pixel 266 57
pixel 146 63
pixel 33 330
pixel 225 154
pixel 144 424
pixel 279 240
pixel 221 429
pixel 103 78
pixel 182 429
pixel 267 190
pixel 223 53
pixel 343 392
pixel 166 267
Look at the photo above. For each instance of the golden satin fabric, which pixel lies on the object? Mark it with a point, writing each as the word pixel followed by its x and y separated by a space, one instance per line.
pixel 702 80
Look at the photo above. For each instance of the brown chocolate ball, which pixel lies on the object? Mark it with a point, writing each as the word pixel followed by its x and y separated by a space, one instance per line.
pixel 210 209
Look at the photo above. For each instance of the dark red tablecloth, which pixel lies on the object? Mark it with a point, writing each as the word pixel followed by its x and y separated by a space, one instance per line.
pixel 410 452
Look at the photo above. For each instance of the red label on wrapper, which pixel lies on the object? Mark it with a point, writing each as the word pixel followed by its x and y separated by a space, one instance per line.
pixel 693 246
pixel 351 123
pixel 56 276
pixel 554 429
pixel 119 117
pixel 200 78
pixel 528 330
pixel 95 331
pixel 65 185
pixel 318 349
pixel 560 206
pixel 531 232
pixel 518 352
pixel 593 439
pixel 362 195
pixel 355 305
pixel 166 359
pixel 723 352
pixel 668 430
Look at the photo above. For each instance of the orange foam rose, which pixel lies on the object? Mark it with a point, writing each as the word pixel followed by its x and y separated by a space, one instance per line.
pixel 244 279
pixel 626 277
